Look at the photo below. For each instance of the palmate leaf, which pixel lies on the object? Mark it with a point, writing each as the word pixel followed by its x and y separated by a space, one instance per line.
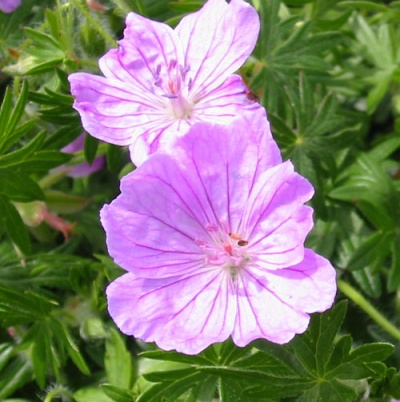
pixel 332 367
pixel 368 186
pixel 287 46
pixel 312 366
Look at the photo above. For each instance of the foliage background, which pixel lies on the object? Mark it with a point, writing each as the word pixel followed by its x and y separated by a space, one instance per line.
pixel 328 72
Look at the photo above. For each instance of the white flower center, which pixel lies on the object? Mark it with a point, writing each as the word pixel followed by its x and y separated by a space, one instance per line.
pixel 224 248
pixel 174 85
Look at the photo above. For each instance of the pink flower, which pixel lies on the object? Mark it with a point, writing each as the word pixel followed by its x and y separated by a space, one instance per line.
pixel 213 242
pixel 8 6
pixel 83 169
pixel 160 81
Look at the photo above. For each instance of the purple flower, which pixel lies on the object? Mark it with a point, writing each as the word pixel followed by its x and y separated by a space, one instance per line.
pixel 83 169
pixel 213 242
pixel 8 6
pixel 160 81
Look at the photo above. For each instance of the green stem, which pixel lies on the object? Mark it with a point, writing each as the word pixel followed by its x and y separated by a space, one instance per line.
pixel 362 302
pixel 58 391
pixel 86 13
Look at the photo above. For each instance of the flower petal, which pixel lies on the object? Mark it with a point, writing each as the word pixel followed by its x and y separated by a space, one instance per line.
pixel 153 225
pixel 225 102
pixel 183 313
pixel 158 139
pixel 225 167
pixel 113 111
pixel 275 221
pixel 8 6
pixel 217 40
pixel 274 304
pixel 308 286
pixel 147 46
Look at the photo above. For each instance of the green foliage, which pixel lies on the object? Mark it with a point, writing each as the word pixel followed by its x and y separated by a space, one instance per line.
pixel 328 72
pixel 317 365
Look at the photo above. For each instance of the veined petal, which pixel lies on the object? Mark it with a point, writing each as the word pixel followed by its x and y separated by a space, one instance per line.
pixel 225 102
pixel 263 314
pixel 153 232
pixel 158 139
pixel 217 40
pixel 114 111
pixel 183 313
pixel 224 166
pixel 275 221
pixel 308 286
pixel 275 304
pixel 147 46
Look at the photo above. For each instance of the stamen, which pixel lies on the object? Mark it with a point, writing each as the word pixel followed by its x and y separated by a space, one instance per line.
pixel 227 248
pixel 170 96
pixel 210 227
pixel 172 64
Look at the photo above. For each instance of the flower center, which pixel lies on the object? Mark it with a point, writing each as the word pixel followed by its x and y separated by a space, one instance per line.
pixel 174 85
pixel 224 248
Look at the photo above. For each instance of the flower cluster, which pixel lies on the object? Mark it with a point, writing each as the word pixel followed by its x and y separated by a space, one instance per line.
pixel 211 225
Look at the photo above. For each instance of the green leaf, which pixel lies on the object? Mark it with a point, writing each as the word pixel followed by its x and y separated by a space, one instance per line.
pixel 170 374
pixel 175 357
pixel 118 361
pixel 41 39
pixel 369 279
pixel 333 391
pixel 10 115
pixel 315 347
pixel 18 187
pixel 117 394
pixel 371 352
pixel 14 158
pixel 14 225
pixel 39 359
pixel 22 308
pixel 6 350
pixel 91 395
pixel 63 203
pixel 366 5
pixel 14 376
pixel 371 252
pixel 394 273
pixel 64 335
pixel 231 390
pixel 171 390
pixel 377 94
pixel 204 391
pixel 114 154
